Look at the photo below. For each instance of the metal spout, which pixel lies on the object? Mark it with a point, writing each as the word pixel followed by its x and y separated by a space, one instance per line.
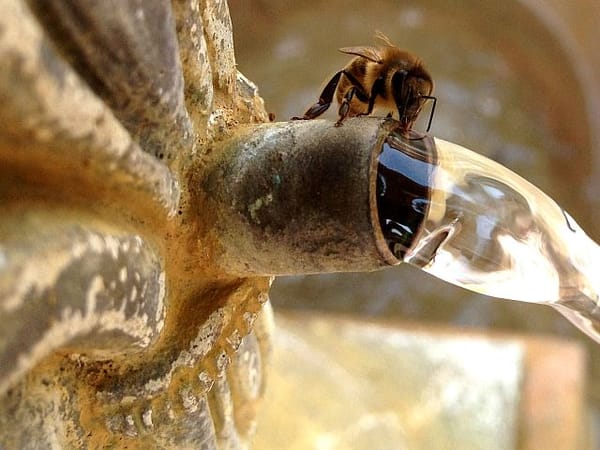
pixel 299 197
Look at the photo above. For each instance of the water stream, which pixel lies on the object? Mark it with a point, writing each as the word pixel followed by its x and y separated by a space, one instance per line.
pixel 472 222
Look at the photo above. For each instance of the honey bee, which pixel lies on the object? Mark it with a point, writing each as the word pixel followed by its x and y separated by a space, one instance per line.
pixel 387 78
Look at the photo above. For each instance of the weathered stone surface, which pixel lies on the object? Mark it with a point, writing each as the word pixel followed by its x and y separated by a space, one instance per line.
pixel 127 53
pixel 118 328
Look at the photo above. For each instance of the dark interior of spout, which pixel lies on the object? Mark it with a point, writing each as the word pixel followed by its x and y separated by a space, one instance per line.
pixel 403 191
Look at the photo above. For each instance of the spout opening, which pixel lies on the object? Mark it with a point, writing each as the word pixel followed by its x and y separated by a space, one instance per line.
pixel 401 192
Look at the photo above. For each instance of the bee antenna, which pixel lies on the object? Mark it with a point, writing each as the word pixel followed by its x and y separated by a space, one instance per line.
pixel 430 97
pixel 382 37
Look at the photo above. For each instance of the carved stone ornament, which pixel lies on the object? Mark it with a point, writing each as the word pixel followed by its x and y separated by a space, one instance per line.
pixel 117 328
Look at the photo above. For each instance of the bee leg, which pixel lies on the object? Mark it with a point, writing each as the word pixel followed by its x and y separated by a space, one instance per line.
pixel 324 101
pixel 345 105
pixel 356 90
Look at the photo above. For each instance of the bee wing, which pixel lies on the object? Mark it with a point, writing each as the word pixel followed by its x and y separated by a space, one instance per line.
pixel 370 53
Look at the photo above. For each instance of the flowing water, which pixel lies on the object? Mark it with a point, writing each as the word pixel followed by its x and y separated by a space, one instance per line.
pixel 471 222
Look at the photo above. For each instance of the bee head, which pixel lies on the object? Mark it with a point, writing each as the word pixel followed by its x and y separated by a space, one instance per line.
pixel 411 89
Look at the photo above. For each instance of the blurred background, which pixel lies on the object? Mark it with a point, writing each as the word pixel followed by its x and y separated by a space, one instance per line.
pixel 518 81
